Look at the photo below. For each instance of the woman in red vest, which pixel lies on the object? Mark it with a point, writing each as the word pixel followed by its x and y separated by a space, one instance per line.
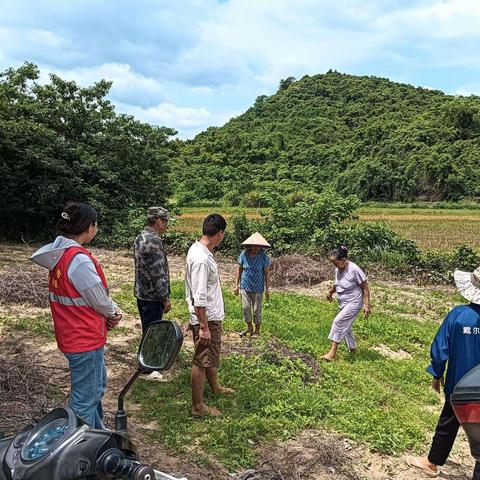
pixel 81 309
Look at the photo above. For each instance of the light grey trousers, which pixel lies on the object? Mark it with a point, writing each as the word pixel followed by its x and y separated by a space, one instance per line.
pixel 252 302
pixel 342 326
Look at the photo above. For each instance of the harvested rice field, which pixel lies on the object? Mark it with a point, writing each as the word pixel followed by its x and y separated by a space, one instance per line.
pixel 439 229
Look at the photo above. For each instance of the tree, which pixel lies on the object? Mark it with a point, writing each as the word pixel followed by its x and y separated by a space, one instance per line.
pixel 285 83
pixel 61 142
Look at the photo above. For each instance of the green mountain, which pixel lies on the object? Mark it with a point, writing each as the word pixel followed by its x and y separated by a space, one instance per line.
pixel 369 136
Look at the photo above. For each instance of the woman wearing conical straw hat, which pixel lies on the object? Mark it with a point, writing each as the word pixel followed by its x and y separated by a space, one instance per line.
pixel 252 280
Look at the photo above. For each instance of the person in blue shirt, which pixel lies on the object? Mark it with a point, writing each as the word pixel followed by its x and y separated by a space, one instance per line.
pixel 456 350
pixel 253 278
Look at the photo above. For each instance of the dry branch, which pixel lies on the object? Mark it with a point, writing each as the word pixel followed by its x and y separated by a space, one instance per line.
pixel 24 283
pixel 298 269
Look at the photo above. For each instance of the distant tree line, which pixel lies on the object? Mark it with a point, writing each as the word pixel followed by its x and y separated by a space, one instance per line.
pixel 362 136
pixel 61 142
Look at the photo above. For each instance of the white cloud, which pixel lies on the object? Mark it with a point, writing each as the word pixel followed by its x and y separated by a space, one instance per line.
pixel 469 89
pixel 259 42
pixel 439 19
pixel 168 114
pixel 127 84
pixel 10 38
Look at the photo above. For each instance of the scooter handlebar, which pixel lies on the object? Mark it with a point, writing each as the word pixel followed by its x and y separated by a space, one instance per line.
pixel 114 464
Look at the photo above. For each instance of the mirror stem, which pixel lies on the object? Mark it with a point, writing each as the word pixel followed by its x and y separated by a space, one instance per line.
pixel 126 388
pixel 121 415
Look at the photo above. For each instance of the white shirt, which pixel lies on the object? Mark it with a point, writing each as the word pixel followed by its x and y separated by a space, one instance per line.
pixel 347 284
pixel 202 284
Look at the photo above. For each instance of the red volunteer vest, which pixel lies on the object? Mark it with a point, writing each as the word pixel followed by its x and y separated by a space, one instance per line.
pixel 78 328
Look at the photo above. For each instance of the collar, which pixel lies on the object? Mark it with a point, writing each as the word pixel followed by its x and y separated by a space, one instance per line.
pixel 151 230
pixel 204 248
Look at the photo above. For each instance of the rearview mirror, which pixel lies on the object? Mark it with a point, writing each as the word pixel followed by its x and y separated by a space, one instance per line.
pixel 160 345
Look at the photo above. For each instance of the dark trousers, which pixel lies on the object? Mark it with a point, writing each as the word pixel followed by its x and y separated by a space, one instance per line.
pixel 149 312
pixel 444 438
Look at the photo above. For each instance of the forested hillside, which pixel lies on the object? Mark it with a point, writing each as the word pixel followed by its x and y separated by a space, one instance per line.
pixel 368 136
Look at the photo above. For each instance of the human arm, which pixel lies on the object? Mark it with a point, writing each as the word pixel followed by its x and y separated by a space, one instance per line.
pixel 439 353
pixel 238 278
pixel 366 298
pixel 204 333
pixel 167 305
pixel 330 293
pixel 267 283
pixel 84 277
pixel 199 280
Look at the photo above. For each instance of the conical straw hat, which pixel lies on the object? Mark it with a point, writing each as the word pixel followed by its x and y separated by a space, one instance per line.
pixel 468 284
pixel 256 240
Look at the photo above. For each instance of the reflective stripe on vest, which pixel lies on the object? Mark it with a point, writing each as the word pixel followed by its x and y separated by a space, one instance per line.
pixel 71 302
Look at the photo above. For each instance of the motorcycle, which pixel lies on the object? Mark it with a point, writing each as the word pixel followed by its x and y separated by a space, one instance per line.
pixel 62 447
pixel 465 401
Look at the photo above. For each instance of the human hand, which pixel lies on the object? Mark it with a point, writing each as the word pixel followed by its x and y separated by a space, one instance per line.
pixel 113 322
pixel 330 296
pixel 204 336
pixel 267 295
pixel 367 310
pixel 437 384
pixel 167 306
pixel 236 290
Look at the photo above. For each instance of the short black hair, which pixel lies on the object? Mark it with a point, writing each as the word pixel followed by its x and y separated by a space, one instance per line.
pixel 75 218
pixel 340 252
pixel 213 224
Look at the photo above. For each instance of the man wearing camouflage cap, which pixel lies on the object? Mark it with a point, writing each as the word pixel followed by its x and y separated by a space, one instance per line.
pixel 152 278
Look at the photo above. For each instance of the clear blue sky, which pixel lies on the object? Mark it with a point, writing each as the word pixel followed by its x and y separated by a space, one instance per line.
pixel 190 64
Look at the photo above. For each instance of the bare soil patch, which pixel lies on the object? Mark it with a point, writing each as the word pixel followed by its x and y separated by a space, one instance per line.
pixel 28 388
pixel 312 455
pixel 387 352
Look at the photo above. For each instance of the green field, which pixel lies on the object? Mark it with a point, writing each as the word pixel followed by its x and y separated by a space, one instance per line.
pixel 440 229
pixel 383 402
pixel 380 399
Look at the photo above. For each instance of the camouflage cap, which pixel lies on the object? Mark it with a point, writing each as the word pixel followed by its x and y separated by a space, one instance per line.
pixel 158 212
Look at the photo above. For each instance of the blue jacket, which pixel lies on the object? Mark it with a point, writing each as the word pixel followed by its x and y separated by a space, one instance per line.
pixel 458 342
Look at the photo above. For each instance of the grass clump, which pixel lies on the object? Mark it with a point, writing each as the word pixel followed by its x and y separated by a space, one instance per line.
pixel 40 324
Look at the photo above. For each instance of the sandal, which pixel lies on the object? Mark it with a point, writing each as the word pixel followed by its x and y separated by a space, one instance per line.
pixel 206 412
pixel 245 333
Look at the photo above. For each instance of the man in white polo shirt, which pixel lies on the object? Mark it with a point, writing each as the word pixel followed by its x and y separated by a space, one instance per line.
pixel 206 307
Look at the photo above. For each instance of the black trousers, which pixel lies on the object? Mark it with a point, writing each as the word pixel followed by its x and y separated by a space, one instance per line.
pixel 444 438
pixel 149 312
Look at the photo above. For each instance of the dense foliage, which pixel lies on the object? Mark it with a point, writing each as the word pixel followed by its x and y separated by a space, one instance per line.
pixel 317 223
pixel 366 136
pixel 60 142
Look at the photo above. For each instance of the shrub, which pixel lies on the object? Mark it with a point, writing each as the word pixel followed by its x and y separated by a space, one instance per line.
pixel 369 241
pixel 293 226
pixel 438 267
pixel 122 233
pixel 254 199
pixel 178 243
